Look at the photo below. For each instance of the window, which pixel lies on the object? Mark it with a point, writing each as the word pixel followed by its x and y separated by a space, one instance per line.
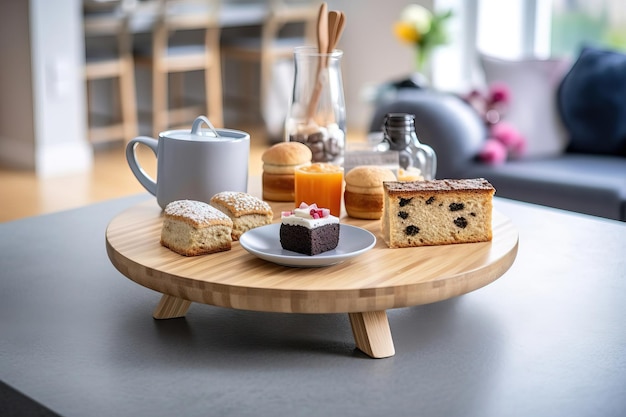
pixel 514 29
pixel 543 28
pixel 594 22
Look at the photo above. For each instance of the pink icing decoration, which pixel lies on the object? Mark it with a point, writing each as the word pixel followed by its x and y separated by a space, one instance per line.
pixel 314 211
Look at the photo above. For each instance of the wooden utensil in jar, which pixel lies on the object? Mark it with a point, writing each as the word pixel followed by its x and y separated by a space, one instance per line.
pixel 330 27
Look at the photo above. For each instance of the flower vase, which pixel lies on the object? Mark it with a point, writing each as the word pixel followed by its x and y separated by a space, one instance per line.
pixel 422 57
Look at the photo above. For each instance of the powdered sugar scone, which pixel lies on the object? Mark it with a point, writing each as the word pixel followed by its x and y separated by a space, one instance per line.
pixel 245 210
pixel 193 228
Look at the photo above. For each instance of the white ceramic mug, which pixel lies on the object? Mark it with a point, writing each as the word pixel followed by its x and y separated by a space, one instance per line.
pixel 194 165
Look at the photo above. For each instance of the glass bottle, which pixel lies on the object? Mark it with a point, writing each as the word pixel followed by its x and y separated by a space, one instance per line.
pixel 399 135
pixel 317 112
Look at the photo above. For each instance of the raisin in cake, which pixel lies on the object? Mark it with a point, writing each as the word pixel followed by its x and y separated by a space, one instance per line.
pixel 309 230
pixel 245 210
pixel 195 228
pixel 437 212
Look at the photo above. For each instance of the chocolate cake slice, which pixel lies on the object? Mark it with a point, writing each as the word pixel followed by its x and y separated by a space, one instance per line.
pixel 309 230
pixel 309 241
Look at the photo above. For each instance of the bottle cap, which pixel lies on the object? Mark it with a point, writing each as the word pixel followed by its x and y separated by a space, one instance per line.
pixel 399 120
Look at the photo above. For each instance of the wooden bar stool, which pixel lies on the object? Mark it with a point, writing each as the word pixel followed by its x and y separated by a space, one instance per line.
pixel 108 56
pixel 185 38
pixel 288 24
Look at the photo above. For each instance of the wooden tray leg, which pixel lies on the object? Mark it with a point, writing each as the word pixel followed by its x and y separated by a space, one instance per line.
pixel 372 334
pixel 171 307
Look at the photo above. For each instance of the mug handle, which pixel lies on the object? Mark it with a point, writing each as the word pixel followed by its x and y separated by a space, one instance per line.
pixel 141 175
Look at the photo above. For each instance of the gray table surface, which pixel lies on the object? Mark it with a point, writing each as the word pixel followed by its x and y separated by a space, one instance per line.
pixel 546 339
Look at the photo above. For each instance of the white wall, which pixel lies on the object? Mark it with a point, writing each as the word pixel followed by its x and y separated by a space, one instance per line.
pixel 42 121
pixel 372 55
pixel 17 135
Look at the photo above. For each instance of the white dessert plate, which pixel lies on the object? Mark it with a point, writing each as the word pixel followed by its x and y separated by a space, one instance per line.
pixel 264 242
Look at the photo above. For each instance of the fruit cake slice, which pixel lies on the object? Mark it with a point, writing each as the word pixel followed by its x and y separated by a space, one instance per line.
pixel 437 212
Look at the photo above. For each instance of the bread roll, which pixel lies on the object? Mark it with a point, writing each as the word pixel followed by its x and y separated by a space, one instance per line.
pixel 279 163
pixel 363 195
pixel 410 174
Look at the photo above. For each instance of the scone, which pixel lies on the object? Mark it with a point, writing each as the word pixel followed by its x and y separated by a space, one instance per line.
pixel 193 228
pixel 245 211
pixel 279 163
pixel 363 195
pixel 437 212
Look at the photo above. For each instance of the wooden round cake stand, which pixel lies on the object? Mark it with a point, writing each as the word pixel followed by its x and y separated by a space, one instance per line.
pixel 364 286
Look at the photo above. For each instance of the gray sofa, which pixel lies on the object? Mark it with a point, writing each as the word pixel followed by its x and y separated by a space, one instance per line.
pixel 584 183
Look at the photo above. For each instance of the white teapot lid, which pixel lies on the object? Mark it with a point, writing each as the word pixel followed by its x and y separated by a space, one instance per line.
pixel 211 134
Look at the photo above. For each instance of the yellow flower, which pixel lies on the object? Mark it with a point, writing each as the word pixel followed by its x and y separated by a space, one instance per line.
pixel 406 32
pixel 420 27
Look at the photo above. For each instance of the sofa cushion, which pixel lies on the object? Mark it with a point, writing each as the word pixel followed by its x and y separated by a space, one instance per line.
pixel 533 111
pixel 591 184
pixel 592 102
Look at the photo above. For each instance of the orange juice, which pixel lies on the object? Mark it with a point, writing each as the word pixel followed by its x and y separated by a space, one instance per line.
pixel 320 183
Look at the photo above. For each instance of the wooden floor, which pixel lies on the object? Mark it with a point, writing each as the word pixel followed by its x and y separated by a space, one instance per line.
pixel 22 194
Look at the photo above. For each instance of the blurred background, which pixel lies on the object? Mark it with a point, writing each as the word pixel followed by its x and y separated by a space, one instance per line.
pixel 55 155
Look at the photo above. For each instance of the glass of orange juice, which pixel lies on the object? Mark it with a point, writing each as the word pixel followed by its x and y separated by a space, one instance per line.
pixel 320 183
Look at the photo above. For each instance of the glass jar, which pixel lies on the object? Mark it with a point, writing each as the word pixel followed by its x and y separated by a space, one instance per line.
pixel 399 135
pixel 317 112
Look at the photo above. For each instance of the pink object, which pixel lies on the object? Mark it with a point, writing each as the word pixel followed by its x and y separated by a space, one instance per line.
pixel 510 137
pixel 492 116
pixel 319 213
pixel 499 93
pixel 314 211
pixel 493 152
pixel 504 139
